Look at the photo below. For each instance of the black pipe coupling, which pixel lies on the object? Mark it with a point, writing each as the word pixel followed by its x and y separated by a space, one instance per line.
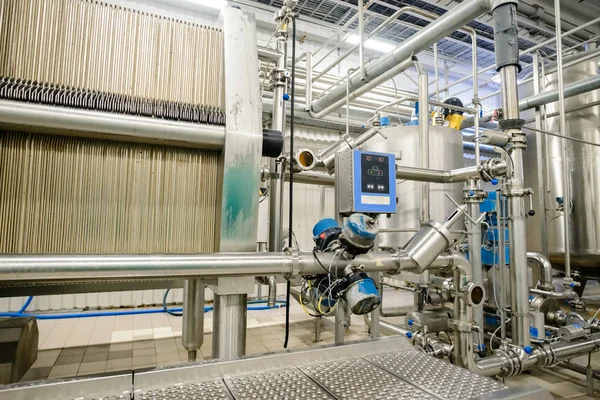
pixel 272 143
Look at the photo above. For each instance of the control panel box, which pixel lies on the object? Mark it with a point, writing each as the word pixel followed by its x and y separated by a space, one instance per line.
pixel 365 182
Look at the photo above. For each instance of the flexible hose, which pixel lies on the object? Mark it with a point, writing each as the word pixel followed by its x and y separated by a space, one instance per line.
pixel 27 303
pixel 291 199
pixel 279 304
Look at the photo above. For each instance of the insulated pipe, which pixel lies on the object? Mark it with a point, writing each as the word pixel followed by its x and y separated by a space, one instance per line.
pixel 66 121
pixel 438 29
pixel 572 89
pixel 545 270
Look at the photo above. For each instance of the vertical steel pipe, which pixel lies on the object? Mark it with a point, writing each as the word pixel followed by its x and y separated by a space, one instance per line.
pixel 565 143
pixel 308 87
pixel 277 170
pixel 540 141
pixel 361 43
pixel 192 336
pixel 229 326
pixel 517 211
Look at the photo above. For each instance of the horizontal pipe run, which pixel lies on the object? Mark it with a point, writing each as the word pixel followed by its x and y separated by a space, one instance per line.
pixel 66 121
pixel 555 295
pixel 313 178
pixel 438 29
pixel 268 54
pixel 437 176
pixel 572 89
pixel 24 270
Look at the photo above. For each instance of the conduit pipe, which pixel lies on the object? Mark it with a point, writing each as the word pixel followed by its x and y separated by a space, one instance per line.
pixel 438 29
pixel 66 121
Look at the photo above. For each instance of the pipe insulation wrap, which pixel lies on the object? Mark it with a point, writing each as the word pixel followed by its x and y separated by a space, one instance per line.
pixel 506 40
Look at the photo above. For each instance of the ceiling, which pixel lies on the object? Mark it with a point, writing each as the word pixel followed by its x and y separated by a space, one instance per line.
pixel 456 47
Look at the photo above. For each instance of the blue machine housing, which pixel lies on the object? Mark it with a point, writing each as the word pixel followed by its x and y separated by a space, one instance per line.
pixel 369 202
pixel 491 257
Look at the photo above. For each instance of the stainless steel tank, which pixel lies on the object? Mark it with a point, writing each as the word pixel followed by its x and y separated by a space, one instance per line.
pixel 584 168
pixel 446 152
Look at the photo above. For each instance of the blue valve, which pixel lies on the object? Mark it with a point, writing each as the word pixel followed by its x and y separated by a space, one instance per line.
pixel 409 335
pixel 494 181
pixel 481 347
pixel 528 349
pixel 286 96
pixel 410 322
pixel 572 284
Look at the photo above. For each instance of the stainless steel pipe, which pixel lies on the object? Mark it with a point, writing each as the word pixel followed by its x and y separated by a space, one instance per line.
pixel 545 270
pixel 442 27
pixel 35 269
pixel 66 121
pixel 570 90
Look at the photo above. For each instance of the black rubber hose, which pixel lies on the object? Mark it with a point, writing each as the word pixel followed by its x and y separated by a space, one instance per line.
pixel 291 217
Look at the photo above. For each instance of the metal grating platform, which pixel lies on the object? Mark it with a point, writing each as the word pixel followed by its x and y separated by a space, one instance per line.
pixel 358 379
pixel 446 381
pixel 207 390
pixel 287 384
pixel 380 369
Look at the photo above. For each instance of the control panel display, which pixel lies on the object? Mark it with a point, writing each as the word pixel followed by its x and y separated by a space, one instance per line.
pixel 375 170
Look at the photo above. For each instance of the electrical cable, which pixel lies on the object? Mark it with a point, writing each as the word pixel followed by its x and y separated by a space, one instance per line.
pixel 291 181
pixel 319 261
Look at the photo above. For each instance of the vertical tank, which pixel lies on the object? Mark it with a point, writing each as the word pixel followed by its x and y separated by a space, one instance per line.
pixel 584 169
pixel 445 152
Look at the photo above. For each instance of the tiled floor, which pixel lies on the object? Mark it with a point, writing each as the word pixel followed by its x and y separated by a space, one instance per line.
pixel 90 346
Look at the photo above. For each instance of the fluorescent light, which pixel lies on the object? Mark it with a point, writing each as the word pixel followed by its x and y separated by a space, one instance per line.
pixel 373 44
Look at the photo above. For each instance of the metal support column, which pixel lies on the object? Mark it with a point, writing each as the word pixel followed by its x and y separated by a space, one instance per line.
pixel 192 335
pixel 241 177
pixel 229 320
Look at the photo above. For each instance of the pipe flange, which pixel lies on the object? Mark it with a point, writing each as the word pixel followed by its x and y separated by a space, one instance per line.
pixel 294 257
pixel 396 255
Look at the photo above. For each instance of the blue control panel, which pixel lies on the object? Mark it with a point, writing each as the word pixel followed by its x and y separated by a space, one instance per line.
pixel 374 182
